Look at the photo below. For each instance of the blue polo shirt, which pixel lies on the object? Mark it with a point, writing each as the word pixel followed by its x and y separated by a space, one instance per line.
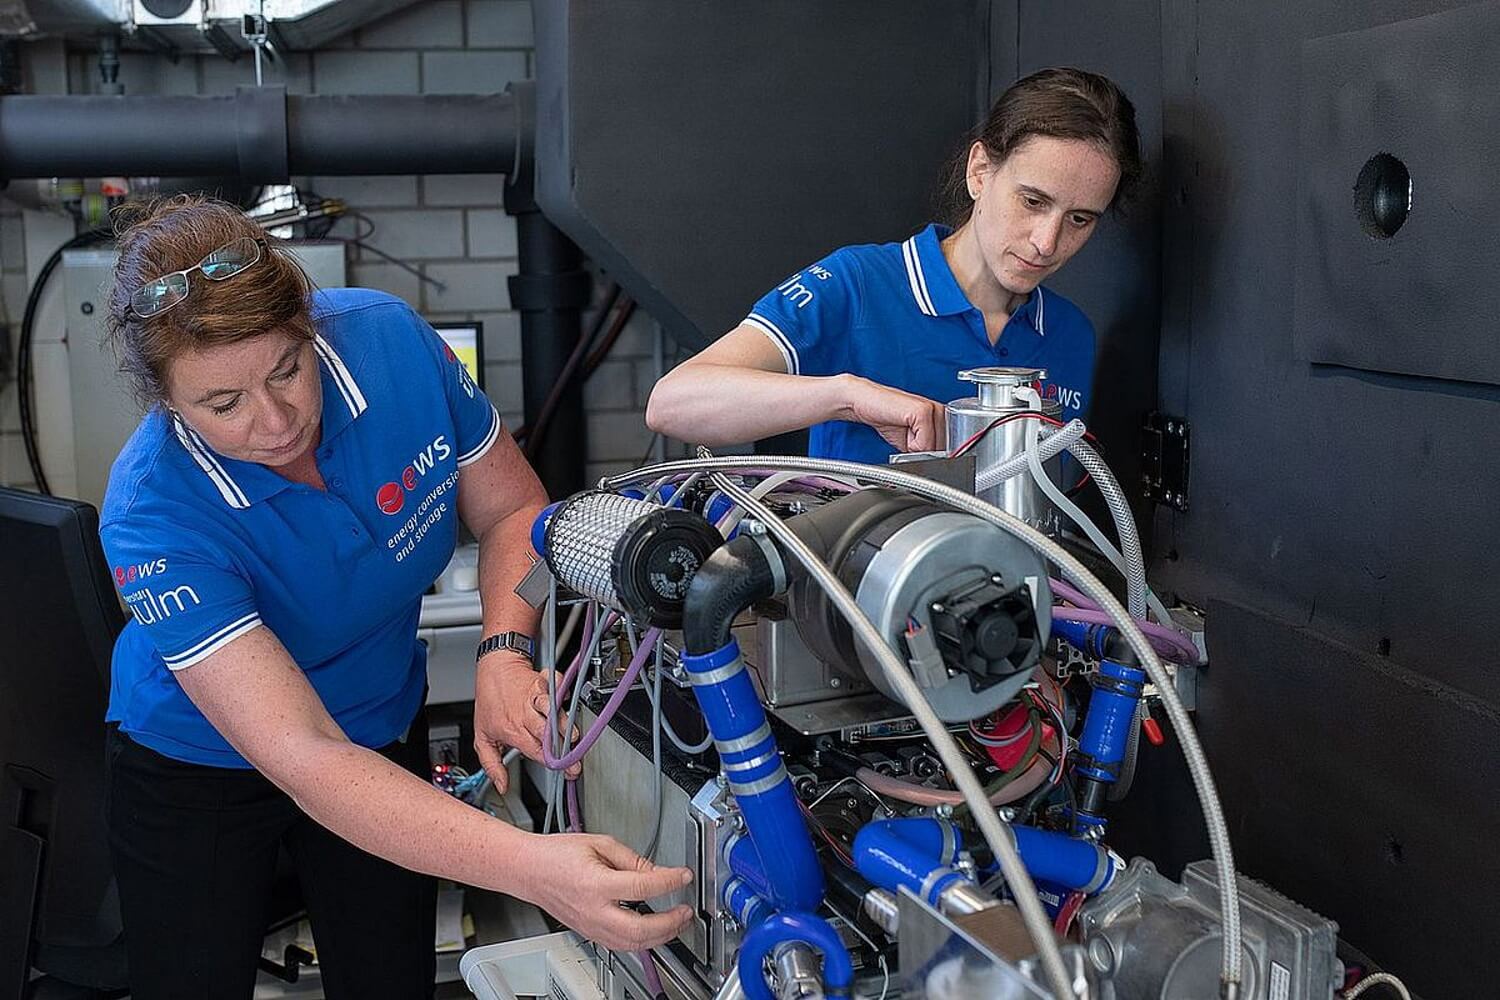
pixel 205 548
pixel 895 314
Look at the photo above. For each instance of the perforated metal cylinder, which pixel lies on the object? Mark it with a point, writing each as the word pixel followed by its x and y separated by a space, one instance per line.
pixel 581 538
pixel 634 556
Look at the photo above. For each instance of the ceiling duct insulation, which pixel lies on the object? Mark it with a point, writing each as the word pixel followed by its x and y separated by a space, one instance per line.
pixel 195 25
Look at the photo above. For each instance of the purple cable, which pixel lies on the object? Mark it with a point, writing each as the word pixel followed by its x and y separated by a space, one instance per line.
pixel 575 821
pixel 642 654
pixel 565 683
pixel 648 970
pixel 1090 613
pixel 575 817
pixel 1178 648
pixel 583 647
pixel 1071 594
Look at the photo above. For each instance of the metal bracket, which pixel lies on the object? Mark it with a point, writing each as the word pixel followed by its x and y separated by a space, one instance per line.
pixel 290 968
pixel 1165 450
pixel 536 585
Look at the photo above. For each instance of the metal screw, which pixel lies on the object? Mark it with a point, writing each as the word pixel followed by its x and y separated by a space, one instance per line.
pixel 1006 813
pixel 997 579
pixel 834 682
pixel 936 608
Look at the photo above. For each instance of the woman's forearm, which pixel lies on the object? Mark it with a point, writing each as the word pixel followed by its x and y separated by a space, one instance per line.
pixel 504 559
pixel 384 810
pixel 722 404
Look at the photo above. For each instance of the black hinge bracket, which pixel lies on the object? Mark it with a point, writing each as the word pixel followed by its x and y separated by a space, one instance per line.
pixel 1165 448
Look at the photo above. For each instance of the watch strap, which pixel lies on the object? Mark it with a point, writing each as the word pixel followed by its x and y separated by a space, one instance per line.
pixel 516 641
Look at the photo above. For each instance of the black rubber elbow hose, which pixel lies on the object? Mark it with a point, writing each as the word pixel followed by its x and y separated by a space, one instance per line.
pixel 736 575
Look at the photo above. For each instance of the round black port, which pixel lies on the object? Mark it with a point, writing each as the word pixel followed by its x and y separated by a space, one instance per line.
pixel 166 9
pixel 1382 196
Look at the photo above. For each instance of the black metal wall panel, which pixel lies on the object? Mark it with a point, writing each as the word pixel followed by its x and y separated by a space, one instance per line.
pixel 1359 789
pixel 1355 504
pixel 1397 114
pixel 1352 511
pixel 703 151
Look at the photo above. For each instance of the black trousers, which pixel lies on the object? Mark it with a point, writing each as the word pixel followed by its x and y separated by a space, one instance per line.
pixel 195 852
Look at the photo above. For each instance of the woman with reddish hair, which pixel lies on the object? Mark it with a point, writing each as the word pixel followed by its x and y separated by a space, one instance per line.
pixel 295 486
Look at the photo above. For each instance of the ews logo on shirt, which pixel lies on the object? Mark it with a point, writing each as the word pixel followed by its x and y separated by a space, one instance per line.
pixel 129 574
pixel 149 606
pixel 1071 399
pixel 464 378
pixel 391 497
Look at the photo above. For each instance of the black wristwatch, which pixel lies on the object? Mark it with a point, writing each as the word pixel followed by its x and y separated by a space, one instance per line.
pixel 517 641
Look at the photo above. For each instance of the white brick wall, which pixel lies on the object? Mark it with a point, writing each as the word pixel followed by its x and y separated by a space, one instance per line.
pixel 450 228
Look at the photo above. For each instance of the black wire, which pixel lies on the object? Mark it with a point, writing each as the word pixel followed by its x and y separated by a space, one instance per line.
pixel 622 305
pixel 650 447
pixel 1028 809
pixel 25 386
pixel 359 238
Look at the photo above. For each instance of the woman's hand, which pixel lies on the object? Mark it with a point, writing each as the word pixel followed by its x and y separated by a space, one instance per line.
pixel 583 880
pixel 907 422
pixel 510 710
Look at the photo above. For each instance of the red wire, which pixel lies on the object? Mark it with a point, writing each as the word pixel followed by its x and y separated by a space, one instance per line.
pixel 1067 912
pixel 1044 418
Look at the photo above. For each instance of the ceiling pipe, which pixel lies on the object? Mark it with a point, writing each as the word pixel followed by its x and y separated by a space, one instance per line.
pixel 263 135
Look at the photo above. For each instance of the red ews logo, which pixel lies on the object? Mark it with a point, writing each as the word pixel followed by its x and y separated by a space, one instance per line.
pixel 391 497
pixel 129 574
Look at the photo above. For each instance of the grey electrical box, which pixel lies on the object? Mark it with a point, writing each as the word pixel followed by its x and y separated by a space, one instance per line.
pixel 104 415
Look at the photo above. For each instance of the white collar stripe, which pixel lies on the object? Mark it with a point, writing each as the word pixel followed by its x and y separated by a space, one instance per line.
pixel 478 451
pixel 918 287
pixel 353 397
pixel 334 375
pixel 207 456
pixel 1041 302
pixel 782 342
pixel 916 261
pixel 193 444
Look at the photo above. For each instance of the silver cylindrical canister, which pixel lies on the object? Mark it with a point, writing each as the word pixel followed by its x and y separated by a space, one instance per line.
pixel 999 396
pixel 631 555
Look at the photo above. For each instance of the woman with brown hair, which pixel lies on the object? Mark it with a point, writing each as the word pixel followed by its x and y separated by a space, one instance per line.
pixel 865 346
pixel 293 489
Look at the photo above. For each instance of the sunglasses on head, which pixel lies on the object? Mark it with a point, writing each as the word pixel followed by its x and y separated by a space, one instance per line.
pixel 160 294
